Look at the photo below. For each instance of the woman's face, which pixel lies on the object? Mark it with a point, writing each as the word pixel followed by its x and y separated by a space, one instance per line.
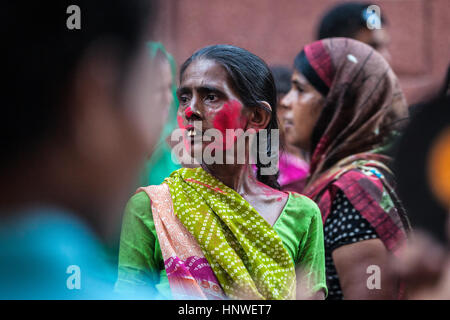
pixel 302 107
pixel 206 97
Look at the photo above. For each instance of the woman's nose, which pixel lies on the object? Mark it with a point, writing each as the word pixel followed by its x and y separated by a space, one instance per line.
pixel 192 111
pixel 286 101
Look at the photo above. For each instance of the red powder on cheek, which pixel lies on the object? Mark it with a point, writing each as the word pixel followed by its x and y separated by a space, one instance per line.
pixel 229 117
pixel 180 122
pixel 182 126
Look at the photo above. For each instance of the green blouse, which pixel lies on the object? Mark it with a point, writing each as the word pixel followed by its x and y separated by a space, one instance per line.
pixel 141 265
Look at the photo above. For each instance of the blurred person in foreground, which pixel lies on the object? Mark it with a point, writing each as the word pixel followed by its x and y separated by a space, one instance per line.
pixel 293 168
pixel 423 170
pixel 159 163
pixel 349 20
pixel 77 122
pixel 345 106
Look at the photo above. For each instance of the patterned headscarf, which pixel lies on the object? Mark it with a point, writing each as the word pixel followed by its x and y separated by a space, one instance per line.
pixel 364 104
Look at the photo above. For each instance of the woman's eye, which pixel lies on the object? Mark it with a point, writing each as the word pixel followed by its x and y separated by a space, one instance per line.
pixel 299 88
pixel 183 99
pixel 211 97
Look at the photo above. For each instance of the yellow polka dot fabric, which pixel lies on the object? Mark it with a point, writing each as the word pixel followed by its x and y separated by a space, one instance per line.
pixel 244 251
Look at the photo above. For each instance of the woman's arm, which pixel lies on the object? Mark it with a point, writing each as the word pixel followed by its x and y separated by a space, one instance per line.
pixel 311 281
pixel 359 257
pixel 139 261
pixel 363 271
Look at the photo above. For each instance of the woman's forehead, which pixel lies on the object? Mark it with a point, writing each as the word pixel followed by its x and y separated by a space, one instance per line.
pixel 299 77
pixel 204 71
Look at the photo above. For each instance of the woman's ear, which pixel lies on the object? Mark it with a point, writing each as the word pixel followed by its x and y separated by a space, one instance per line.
pixel 260 116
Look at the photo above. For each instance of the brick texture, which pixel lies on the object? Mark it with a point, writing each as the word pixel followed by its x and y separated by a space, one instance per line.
pixel 276 30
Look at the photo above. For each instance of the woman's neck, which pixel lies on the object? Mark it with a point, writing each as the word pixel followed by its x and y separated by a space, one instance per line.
pixel 241 179
pixel 234 176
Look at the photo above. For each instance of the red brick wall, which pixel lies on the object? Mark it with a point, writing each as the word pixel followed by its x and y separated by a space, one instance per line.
pixel 276 30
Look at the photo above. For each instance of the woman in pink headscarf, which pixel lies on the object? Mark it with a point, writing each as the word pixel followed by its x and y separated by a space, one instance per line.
pixel 344 106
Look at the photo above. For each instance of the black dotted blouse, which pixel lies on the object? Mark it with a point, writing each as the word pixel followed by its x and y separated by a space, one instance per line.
pixel 344 225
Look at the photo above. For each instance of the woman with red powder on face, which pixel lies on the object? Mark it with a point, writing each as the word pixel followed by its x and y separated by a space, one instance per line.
pixel 217 231
pixel 345 105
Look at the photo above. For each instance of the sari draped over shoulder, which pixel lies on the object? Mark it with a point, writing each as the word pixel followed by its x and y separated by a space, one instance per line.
pixel 214 243
pixel 367 183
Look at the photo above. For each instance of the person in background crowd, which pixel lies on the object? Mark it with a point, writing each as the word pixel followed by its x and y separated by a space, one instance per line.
pixel 216 231
pixel 293 169
pixel 77 122
pixel 344 106
pixel 160 165
pixel 349 20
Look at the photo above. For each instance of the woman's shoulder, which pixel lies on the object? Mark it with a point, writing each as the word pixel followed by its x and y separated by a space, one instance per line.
pixel 365 187
pixel 301 210
pixel 140 205
pixel 138 216
pixel 302 203
pixel 364 177
pixel 140 198
pixel 300 220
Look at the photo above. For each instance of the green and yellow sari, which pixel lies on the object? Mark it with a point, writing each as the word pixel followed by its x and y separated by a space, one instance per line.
pixel 196 238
